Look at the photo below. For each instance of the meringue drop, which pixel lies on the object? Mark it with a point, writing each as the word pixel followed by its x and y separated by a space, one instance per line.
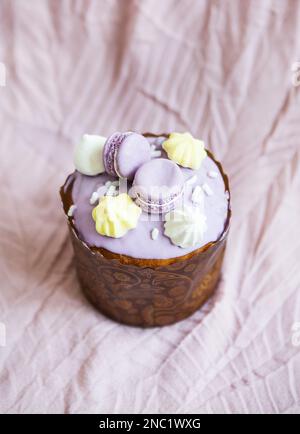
pixel 185 227
pixel 88 155
pixel 185 150
pixel 115 215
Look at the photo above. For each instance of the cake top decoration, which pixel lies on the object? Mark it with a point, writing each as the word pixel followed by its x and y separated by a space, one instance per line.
pixel 136 194
pixel 185 226
pixel 88 155
pixel 157 185
pixel 114 216
pixel 198 196
pixel 121 154
pixel 71 210
pixel 124 153
pixel 185 150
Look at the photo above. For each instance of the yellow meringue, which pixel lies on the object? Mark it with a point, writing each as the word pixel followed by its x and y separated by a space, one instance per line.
pixel 115 215
pixel 185 150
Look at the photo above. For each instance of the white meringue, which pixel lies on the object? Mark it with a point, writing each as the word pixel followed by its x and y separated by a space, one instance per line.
pixel 185 227
pixel 88 155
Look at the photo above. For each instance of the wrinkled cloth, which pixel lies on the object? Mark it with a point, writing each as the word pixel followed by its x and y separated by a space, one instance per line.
pixel 219 69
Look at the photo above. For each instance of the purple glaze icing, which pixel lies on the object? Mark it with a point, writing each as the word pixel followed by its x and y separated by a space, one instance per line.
pixel 137 242
pixel 124 153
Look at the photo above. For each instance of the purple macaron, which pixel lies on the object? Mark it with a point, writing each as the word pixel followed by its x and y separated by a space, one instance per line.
pixel 124 153
pixel 158 185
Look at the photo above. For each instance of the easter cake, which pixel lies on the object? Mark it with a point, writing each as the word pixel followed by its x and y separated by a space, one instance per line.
pixel 148 216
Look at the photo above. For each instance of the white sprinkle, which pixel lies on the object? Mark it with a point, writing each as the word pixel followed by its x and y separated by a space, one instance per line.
pixel 197 196
pixel 94 198
pixel 153 147
pixel 212 174
pixel 154 233
pixel 227 194
pixel 101 191
pixel 207 190
pixel 111 190
pixel 108 184
pixel 191 180
pixel 155 154
pixel 71 210
pixel 115 183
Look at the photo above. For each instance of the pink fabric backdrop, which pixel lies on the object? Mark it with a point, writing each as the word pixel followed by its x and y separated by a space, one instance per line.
pixel 220 69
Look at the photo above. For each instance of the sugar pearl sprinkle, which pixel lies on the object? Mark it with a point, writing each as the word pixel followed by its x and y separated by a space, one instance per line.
pixel 101 191
pixel 155 154
pixel 112 189
pixel 108 189
pixel 212 174
pixel 207 190
pixel 197 196
pixel 94 198
pixel 154 234
pixel 71 210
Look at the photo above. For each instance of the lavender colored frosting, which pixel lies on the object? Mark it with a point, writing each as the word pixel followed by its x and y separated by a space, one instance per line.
pixel 138 242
